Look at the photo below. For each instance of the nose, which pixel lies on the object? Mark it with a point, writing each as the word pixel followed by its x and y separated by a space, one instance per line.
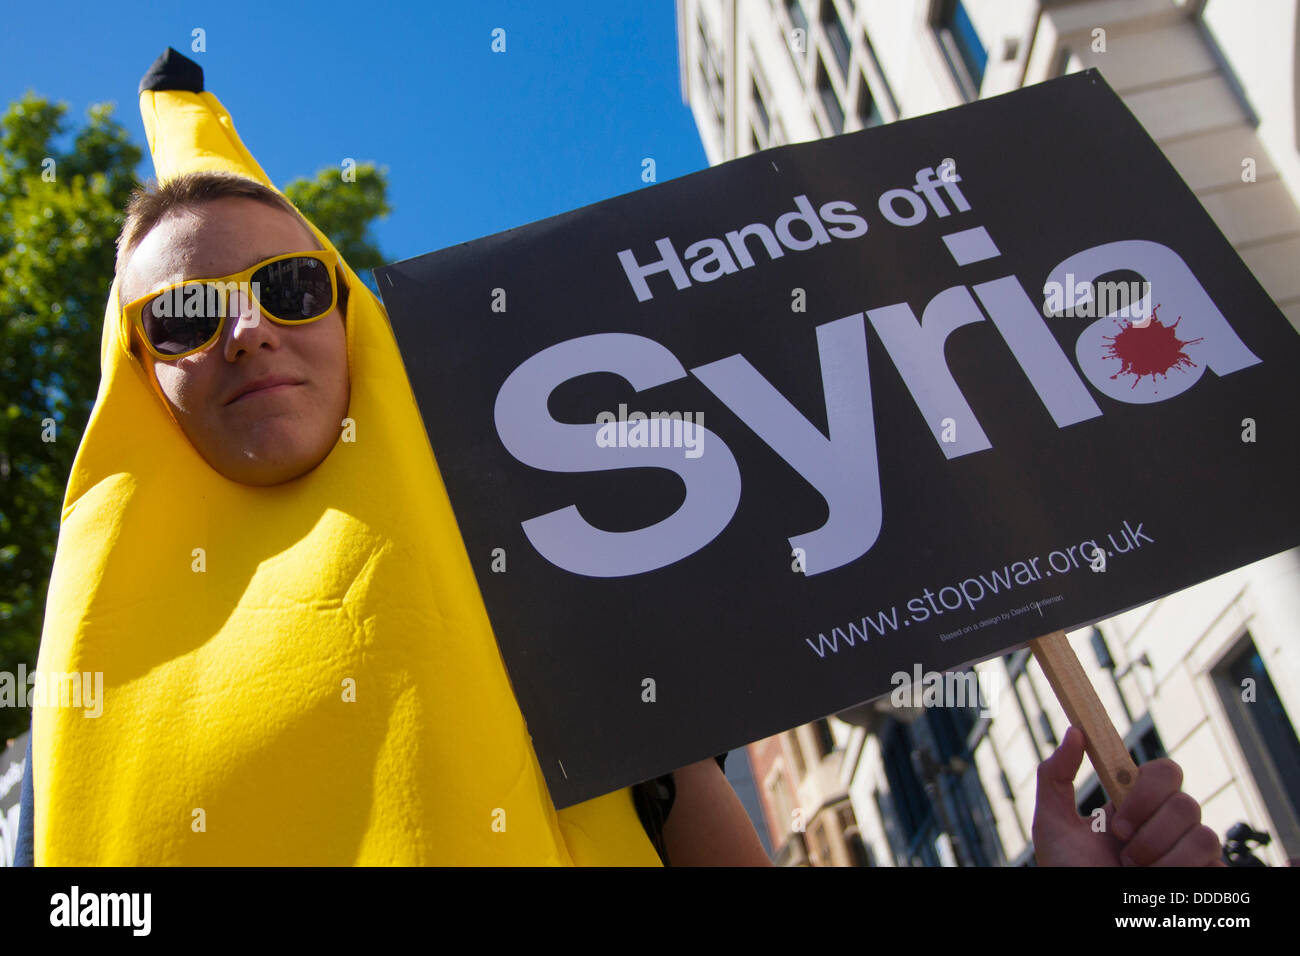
pixel 249 328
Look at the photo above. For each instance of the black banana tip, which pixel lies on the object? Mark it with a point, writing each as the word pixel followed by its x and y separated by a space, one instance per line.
pixel 172 71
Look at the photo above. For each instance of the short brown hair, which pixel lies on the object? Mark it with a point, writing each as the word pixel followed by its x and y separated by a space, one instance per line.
pixel 150 203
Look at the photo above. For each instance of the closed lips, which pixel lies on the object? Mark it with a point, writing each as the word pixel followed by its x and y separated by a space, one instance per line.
pixel 261 383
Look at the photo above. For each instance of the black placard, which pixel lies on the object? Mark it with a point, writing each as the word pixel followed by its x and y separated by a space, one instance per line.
pixel 923 465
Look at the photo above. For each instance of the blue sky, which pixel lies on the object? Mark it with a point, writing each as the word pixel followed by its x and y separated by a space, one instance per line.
pixel 475 142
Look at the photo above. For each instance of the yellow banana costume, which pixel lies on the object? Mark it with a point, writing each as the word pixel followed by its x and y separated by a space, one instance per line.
pixel 232 624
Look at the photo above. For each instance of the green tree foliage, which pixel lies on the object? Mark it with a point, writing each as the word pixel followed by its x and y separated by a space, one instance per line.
pixel 60 213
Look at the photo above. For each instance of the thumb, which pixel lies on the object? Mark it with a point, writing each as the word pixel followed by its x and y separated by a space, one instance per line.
pixel 1055 807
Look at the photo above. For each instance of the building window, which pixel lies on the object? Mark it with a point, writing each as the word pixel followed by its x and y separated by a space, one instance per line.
pixel 798 48
pixel 794 10
pixel 950 727
pixel 1148 747
pixel 944 763
pixel 821 845
pixel 1061 63
pixel 961 45
pixel 859 852
pixel 830 102
pixel 1045 728
pixel 825 739
pixel 1044 724
pixel 711 70
pixel 780 803
pixel 1019 685
pixel 836 36
pixel 796 752
pixel 760 111
pixel 868 112
pixel 889 820
pixel 1267 736
pixel 907 804
pixel 881 88
pixel 762 94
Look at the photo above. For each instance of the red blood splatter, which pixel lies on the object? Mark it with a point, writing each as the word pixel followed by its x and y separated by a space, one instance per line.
pixel 1151 350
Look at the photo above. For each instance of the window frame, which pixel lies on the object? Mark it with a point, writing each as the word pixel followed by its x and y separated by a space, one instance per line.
pixel 953 49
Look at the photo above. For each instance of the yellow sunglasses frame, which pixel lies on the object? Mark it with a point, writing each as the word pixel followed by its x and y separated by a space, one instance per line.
pixel 133 310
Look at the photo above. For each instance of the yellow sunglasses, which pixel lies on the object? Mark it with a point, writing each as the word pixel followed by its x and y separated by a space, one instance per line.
pixel 186 317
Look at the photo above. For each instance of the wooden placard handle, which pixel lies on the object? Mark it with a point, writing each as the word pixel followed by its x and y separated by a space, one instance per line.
pixel 1110 758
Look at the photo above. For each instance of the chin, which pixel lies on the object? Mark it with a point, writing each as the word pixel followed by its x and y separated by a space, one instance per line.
pixel 270 479
pixel 271 471
pixel 271 455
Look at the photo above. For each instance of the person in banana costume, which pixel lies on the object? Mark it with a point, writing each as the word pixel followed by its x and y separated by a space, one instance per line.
pixel 297 666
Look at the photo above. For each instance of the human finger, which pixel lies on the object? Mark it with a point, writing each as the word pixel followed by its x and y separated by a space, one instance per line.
pixel 1199 846
pixel 1157 781
pixel 1056 774
pixel 1176 817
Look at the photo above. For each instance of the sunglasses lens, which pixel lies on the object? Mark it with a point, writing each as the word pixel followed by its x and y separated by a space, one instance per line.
pixel 295 289
pixel 183 319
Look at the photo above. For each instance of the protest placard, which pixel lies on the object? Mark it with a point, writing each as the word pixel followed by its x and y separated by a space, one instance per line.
pixel 730 451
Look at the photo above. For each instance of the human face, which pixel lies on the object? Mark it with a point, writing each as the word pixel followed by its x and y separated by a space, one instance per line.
pixel 268 436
